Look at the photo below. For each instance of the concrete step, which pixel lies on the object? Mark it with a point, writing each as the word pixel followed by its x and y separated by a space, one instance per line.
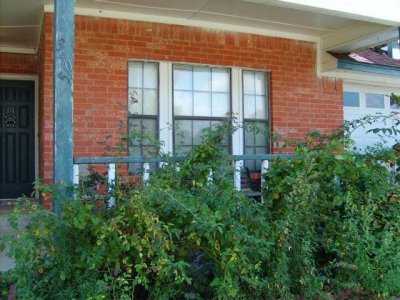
pixel 6 207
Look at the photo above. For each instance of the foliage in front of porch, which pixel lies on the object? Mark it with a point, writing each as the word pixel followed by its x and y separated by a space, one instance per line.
pixel 328 228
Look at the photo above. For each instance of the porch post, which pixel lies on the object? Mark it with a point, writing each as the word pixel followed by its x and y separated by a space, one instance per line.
pixel 64 30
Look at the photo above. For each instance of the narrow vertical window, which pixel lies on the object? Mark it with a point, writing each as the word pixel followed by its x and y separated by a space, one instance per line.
pixel 255 116
pixel 143 95
pixel 202 99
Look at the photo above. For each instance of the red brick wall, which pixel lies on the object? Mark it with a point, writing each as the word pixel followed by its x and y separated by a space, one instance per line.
pixel 300 101
pixel 18 63
pixel 46 106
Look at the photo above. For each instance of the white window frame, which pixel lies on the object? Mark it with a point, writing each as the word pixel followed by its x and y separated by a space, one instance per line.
pixel 165 116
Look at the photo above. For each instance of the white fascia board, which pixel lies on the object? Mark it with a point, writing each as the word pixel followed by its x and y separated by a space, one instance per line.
pixel 382 12
pixel 364 78
pixel 10 49
pixel 358 36
pixel 186 22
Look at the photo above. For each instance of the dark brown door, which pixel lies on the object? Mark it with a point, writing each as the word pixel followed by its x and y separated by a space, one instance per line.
pixel 17 143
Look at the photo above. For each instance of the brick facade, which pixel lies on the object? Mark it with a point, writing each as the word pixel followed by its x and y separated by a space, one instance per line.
pixel 300 101
pixel 13 63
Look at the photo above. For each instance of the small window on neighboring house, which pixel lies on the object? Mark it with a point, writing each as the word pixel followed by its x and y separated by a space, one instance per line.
pixel 256 115
pixel 374 100
pixel 142 110
pixel 351 99
pixel 202 99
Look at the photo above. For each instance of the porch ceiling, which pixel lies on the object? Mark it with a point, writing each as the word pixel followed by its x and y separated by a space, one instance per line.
pixel 20 20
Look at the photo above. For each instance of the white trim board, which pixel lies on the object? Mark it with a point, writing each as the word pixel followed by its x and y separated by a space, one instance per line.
pixel 364 78
pixel 185 22
pixel 18 50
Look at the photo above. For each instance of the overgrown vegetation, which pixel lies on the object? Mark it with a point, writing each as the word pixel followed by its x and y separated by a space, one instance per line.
pixel 328 228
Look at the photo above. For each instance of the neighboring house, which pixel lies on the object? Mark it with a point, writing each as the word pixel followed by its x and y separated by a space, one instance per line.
pixel 364 97
pixel 173 68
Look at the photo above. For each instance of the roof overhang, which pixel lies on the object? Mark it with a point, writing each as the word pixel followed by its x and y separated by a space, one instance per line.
pixel 334 25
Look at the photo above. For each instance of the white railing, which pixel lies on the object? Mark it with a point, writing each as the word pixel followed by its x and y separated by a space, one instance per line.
pixel 238 162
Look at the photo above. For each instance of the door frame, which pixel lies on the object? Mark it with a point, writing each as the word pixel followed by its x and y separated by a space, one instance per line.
pixel 35 79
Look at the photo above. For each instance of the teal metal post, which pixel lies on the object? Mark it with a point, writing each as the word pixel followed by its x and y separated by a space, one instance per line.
pixel 64 30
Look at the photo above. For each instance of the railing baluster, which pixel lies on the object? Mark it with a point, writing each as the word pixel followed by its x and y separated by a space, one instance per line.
pixel 264 169
pixel 210 177
pixel 75 178
pixel 237 177
pixel 111 183
pixel 146 172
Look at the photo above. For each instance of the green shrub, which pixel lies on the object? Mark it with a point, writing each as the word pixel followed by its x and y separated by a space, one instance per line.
pixel 328 228
pixel 338 214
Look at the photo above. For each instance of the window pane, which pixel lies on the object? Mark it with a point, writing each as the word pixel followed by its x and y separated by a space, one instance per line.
pixel 149 127
pixel 135 74
pixel 249 137
pixel 142 146
pixel 351 99
pixel 214 125
pixel 251 164
pixel 199 91
pixel 136 125
pixel 183 132
pixel 202 104
pixel 150 75
pixel 182 150
pixel 375 100
pixel 146 126
pixel 261 150
pixel 248 82
pixel 135 103
pixel 261 134
pixel 249 106
pixel 150 102
pixel 260 83
pixel 220 80
pixel 202 79
pixel 261 107
pixel 255 95
pixel 183 103
pixel 198 127
pixel 183 78
pixel 255 141
pixel 220 104
pixel 135 151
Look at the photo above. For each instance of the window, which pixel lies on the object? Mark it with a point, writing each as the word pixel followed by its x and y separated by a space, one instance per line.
pixel 374 100
pixel 255 115
pixel 175 102
pixel 143 109
pixel 201 99
pixel 351 99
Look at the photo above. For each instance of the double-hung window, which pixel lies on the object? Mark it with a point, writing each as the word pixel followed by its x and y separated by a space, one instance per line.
pixel 201 99
pixel 255 115
pixel 143 95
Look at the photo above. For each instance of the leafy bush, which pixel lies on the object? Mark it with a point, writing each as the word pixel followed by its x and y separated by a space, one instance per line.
pixel 337 216
pixel 328 228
